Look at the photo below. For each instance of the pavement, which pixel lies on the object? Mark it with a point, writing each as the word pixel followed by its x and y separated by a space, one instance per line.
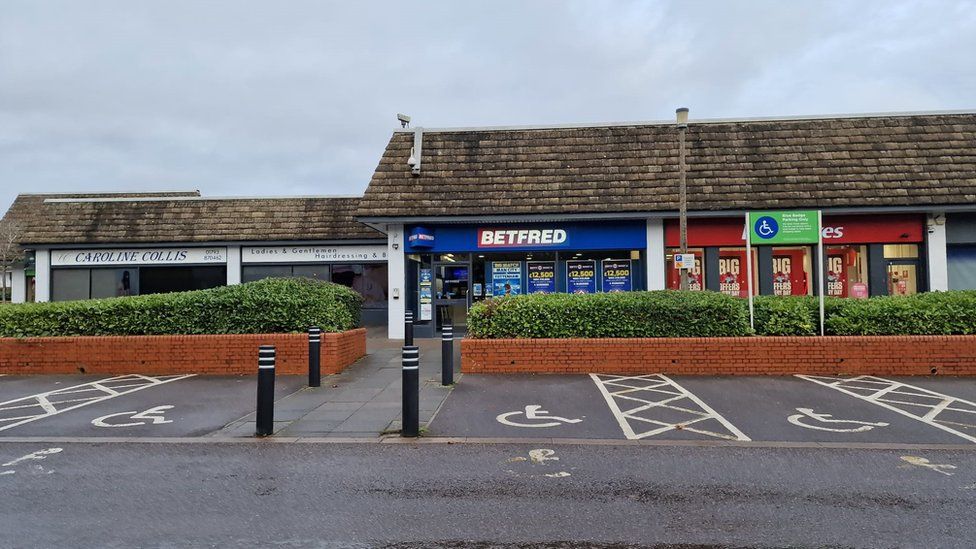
pixel 363 402
pixel 259 493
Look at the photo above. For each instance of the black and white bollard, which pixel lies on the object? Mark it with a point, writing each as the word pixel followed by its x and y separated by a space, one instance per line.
pixel 411 391
pixel 408 328
pixel 447 355
pixel 264 425
pixel 314 356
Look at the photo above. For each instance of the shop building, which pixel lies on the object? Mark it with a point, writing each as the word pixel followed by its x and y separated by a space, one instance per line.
pixel 109 245
pixel 477 212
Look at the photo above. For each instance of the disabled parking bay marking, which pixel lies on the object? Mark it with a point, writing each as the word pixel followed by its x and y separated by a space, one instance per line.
pixel 51 403
pixel 153 415
pixel 648 405
pixel 800 420
pixel 924 405
pixel 533 412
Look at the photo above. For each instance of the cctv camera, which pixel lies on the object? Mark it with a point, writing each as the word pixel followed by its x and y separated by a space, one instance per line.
pixel 412 161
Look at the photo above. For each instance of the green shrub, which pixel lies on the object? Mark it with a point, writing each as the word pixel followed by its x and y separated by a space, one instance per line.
pixel 936 313
pixel 274 305
pixel 663 313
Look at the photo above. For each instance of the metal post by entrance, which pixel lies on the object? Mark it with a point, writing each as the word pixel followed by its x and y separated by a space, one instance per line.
pixel 447 355
pixel 681 116
pixel 408 328
pixel 314 356
pixel 264 425
pixel 411 392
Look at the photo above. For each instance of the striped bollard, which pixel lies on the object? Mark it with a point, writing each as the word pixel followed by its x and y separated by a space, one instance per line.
pixel 408 328
pixel 264 425
pixel 314 356
pixel 447 355
pixel 411 391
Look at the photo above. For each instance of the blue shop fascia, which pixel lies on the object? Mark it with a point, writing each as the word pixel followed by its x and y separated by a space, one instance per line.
pixel 449 267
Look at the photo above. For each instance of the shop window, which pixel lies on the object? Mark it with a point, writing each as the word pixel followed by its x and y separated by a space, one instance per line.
pixel 696 280
pixel 732 272
pixel 792 271
pixel 70 284
pixel 315 272
pixel 962 267
pixel 161 280
pixel 370 281
pixel 114 282
pixel 900 251
pixel 253 273
pixel 847 271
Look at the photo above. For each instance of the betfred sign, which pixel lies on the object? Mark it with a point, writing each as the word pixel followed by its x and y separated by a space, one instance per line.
pixel 521 238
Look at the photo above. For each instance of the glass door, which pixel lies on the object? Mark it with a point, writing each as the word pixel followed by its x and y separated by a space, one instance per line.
pixel 903 277
pixel 452 294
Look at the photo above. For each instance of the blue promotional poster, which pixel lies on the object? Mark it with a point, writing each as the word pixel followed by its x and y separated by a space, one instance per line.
pixel 506 278
pixel 542 277
pixel 581 276
pixel 617 275
pixel 426 294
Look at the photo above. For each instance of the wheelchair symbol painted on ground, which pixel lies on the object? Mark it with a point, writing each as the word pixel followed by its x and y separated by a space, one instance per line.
pixel 152 416
pixel 536 415
pixel 854 426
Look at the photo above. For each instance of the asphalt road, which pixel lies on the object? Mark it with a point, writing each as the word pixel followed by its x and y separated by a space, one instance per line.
pixel 931 410
pixel 191 406
pixel 479 495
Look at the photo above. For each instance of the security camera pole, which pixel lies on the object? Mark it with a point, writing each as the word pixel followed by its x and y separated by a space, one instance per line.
pixel 682 122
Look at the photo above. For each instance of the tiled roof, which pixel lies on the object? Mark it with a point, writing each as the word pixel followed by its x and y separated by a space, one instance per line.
pixel 144 218
pixel 882 160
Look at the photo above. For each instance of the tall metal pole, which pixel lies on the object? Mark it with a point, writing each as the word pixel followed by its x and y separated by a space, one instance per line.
pixel 682 117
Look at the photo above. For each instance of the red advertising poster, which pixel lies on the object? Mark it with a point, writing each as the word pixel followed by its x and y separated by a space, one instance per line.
pixel 694 276
pixel 837 276
pixel 731 273
pixel 789 278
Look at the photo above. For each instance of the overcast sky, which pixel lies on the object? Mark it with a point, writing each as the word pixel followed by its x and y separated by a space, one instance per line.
pixel 293 98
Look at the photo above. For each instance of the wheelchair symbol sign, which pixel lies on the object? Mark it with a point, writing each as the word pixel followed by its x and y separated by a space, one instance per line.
pixel 766 227
pixel 535 417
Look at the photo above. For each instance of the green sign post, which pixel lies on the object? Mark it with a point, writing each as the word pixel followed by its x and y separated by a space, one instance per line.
pixel 799 227
pixel 784 228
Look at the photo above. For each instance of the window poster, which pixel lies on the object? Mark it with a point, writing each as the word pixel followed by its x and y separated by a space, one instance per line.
pixel 836 276
pixel 730 279
pixel 426 294
pixel 506 278
pixel 783 275
pixel 581 276
pixel 617 275
pixel 542 277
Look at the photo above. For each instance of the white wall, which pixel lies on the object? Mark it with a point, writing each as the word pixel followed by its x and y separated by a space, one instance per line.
pixel 18 287
pixel 233 265
pixel 938 265
pixel 42 276
pixel 397 277
pixel 655 254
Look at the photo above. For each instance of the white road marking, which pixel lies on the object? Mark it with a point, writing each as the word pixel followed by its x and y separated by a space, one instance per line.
pixel 560 474
pixel 40 454
pixel 923 462
pixel 658 394
pixel 797 419
pixel 154 414
pixel 533 412
pixel 881 392
pixel 47 404
pixel 542 455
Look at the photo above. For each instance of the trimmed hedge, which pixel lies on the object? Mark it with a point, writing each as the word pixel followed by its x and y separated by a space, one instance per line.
pixel 708 314
pixel 664 313
pixel 274 305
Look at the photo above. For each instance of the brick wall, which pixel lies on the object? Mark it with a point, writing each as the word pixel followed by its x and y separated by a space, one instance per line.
pixel 161 355
pixel 832 355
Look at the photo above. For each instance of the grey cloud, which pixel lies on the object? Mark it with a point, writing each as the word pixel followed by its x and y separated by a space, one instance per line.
pixel 254 98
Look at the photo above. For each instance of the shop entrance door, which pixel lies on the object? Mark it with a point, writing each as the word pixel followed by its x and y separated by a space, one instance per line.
pixel 452 295
pixel 903 277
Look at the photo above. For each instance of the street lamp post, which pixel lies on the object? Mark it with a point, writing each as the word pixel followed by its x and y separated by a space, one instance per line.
pixel 682 123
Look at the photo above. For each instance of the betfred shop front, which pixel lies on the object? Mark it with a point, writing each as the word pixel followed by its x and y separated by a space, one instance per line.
pixel 450 267
pixel 865 256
